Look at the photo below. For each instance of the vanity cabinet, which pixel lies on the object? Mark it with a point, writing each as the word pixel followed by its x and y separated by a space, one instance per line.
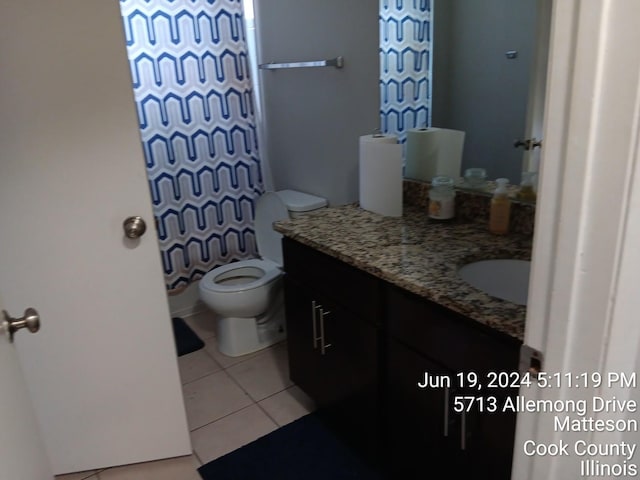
pixel 423 427
pixel 360 346
pixel 333 338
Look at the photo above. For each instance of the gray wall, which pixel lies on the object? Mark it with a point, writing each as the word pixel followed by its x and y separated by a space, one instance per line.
pixel 475 87
pixel 314 116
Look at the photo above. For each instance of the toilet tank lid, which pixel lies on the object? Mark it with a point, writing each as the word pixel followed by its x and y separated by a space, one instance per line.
pixel 301 202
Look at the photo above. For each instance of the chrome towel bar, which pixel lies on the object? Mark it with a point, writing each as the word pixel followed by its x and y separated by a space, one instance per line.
pixel 337 62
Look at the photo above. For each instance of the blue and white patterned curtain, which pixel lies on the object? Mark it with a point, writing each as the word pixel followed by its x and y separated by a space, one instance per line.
pixel 193 93
pixel 405 65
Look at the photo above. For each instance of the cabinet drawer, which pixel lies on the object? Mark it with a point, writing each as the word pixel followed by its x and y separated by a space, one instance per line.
pixel 446 337
pixel 347 286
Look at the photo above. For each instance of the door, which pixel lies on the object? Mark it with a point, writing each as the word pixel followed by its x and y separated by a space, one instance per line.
pixel 22 454
pixel 102 372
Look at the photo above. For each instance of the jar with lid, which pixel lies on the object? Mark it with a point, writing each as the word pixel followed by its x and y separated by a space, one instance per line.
pixel 441 198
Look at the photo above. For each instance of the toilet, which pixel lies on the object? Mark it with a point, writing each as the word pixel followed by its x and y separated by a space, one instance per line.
pixel 247 296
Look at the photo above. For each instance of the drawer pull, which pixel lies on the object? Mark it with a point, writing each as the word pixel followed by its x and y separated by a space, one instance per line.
pixel 323 346
pixel 314 322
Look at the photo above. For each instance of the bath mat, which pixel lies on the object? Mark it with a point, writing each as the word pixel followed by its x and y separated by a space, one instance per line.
pixel 186 339
pixel 305 449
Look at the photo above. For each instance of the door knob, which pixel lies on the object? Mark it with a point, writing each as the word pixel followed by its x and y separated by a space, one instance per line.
pixel 134 227
pixel 30 320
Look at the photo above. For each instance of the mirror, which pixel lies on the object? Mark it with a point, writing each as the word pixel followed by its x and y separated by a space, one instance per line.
pixel 483 62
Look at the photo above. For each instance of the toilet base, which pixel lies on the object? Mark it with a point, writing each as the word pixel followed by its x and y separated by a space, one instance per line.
pixel 239 336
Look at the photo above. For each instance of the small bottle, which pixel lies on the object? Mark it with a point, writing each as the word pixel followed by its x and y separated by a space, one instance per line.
pixel 500 209
pixel 441 198
pixel 526 191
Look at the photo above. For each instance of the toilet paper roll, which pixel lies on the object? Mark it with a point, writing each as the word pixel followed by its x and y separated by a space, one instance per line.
pixel 381 174
pixel 433 151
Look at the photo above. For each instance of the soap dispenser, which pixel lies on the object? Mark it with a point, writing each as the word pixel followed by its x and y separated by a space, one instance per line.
pixel 500 208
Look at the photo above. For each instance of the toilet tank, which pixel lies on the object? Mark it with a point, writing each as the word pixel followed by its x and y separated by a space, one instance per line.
pixel 299 203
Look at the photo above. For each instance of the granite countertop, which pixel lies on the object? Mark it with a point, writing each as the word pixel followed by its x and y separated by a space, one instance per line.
pixel 417 255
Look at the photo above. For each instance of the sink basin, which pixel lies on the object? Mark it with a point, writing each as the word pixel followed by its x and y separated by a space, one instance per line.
pixel 504 278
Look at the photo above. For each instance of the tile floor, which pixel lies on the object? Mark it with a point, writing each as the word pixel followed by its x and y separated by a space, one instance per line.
pixel 229 402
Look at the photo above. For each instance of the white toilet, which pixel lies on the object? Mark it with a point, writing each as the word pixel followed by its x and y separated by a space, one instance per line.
pixel 247 296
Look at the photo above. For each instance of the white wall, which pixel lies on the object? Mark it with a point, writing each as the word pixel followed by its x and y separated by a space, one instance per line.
pixel 187 302
pixel 314 116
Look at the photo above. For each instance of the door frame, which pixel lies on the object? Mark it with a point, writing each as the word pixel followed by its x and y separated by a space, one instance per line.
pixel 581 298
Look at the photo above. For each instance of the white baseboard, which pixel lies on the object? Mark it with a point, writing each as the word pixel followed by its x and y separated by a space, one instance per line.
pixel 187 302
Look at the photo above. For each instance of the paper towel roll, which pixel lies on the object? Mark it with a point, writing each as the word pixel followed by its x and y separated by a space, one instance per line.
pixel 433 151
pixel 381 174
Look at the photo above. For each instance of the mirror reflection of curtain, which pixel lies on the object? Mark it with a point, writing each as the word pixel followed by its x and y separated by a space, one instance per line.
pixel 194 101
pixel 405 65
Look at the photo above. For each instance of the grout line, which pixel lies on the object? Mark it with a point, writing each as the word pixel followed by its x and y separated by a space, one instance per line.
pixel 204 376
pixel 201 377
pixel 267 414
pixel 249 395
pixel 217 419
pixel 204 349
pixel 195 454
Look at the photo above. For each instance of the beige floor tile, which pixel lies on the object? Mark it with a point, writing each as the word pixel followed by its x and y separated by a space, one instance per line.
pixel 264 374
pixel 89 474
pixel 180 468
pixel 212 397
pixel 225 361
pixel 230 433
pixel 196 365
pixel 203 324
pixel 288 405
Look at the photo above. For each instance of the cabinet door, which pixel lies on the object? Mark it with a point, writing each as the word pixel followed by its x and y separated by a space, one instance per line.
pixel 423 432
pixel 305 366
pixel 492 437
pixel 332 352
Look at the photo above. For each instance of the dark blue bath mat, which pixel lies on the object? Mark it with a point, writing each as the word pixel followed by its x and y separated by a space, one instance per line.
pixel 303 450
pixel 186 339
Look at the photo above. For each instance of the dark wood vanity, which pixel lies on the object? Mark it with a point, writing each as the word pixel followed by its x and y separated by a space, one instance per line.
pixel 360 345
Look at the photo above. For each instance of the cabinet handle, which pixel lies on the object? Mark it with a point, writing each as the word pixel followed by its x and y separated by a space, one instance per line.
pixel 323 345
pixel 446 411
pixel 315 307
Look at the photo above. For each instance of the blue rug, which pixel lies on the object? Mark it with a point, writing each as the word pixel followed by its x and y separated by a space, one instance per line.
pixel 303 450
pixel 186 339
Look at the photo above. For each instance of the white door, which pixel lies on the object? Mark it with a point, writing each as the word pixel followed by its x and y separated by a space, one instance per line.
pixel 22 455
pixel 102 372
pixel 537 86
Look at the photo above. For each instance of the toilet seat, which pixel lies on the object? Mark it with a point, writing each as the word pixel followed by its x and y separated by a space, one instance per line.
pixel 251 274
pixel 241 276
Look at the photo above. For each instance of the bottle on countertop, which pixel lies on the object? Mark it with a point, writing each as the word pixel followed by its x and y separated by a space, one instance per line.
pixel 442 198
pixel 526 191
pixel 500 208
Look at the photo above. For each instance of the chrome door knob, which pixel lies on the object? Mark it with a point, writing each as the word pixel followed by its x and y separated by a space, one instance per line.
pixel 134 227
pixel 30 321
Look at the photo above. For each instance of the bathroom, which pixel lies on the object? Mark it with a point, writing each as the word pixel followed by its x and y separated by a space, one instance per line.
pixel 20 300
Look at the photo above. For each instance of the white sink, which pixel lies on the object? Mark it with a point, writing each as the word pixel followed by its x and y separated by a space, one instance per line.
pixel 505 278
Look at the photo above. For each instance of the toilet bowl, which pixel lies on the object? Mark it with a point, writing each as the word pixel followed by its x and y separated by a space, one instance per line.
pixel 247 296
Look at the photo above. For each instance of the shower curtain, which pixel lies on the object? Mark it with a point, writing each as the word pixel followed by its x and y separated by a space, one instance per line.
pixel 193 94
pixel 405 65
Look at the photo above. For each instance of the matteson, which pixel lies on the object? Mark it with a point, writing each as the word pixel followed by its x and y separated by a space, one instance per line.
pixel 589 424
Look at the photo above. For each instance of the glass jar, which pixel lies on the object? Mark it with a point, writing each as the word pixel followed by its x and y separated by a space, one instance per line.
pixel 441 198
pixel 475 178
